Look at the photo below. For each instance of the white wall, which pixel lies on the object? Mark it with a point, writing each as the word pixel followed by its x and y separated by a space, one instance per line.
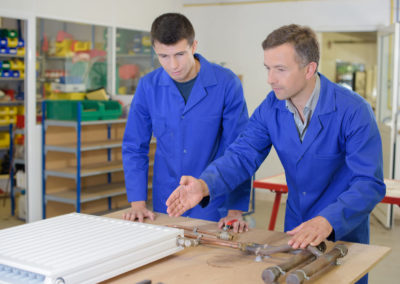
pixel 233 34
pixel 136 14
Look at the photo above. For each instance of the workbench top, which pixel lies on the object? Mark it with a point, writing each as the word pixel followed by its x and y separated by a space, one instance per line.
pixel 210 264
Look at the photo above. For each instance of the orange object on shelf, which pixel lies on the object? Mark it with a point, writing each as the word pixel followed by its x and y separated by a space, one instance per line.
pixel 19 139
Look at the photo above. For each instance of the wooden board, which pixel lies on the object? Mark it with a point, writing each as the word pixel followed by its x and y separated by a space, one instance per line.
pixel 208 264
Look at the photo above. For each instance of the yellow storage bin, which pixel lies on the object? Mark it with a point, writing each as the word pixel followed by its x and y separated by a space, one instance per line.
pixel 4 139
pixel 81 46
pixel 12 119
pixel 64 48
pixel 21 110
pixel 21 51
pixel 4 119
pixel 17 64
pixel 67 96
pixel 12 42
pixel 8 110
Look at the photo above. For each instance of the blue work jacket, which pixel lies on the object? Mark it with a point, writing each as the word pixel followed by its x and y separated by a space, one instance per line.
pixel 336 172
pixel 189 136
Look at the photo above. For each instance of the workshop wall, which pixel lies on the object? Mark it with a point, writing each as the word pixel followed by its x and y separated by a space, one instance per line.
pixel 137 14
pixel 232 34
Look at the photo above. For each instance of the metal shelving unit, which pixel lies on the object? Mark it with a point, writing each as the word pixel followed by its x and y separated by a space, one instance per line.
pixel 13 188
pixel 13 161
pixel 79 195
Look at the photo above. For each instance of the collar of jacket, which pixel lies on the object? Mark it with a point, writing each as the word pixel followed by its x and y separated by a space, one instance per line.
pixel 206 74
pixel 326 102
pixel 325 106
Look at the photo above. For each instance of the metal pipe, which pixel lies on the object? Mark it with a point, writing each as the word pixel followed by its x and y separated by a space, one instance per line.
pixel 213 241
pixel 252 248
pixel 298 276
pixel 220 235
pixel 271 274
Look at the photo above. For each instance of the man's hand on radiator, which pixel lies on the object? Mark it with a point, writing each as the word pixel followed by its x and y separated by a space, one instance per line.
pixel 138 211
pixel 186 196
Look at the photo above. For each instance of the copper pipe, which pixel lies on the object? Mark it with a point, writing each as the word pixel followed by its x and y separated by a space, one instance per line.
pixel 252 248
pixel 194 229
pixel 213 241
pixel 224 235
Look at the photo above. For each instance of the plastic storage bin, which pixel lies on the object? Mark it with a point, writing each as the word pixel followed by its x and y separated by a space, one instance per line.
pixel 4 139
pixel 8 110
pixel 112 110
pixel 67 96
pixel 68 110
pixel 90 110
pixel 8 119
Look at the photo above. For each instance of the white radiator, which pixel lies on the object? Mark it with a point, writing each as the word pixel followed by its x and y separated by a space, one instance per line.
pixel 79 248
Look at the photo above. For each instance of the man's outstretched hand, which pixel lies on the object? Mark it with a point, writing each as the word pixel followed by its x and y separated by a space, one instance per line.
pixel 186 196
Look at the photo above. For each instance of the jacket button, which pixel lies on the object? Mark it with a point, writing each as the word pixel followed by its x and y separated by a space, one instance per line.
pixel 304 193
pixel 184 151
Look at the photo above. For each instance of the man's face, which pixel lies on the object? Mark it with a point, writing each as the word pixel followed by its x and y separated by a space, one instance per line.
pixel 287 77
pixel 177 59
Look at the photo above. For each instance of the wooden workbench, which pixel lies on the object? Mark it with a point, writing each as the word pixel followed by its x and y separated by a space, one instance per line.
pixel 208 264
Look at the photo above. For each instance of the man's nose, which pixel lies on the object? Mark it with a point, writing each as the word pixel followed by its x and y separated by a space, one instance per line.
pixel 270 77
pixel 173 63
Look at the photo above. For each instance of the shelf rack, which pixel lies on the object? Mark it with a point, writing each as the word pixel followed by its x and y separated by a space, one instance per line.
pixel 78 195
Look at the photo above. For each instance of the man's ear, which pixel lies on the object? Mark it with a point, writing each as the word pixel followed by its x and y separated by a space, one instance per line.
pixel 194 46
pixel 311 68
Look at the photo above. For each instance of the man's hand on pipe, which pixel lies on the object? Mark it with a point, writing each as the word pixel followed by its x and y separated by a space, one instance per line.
pixel 186 196
pixel 239 226
pixel 312 232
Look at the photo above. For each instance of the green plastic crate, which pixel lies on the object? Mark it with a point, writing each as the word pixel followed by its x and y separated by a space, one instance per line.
pixel 90 110
pixel 112 110
pixel 68 110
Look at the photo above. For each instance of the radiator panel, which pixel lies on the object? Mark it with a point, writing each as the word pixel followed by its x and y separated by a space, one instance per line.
pixel 79 248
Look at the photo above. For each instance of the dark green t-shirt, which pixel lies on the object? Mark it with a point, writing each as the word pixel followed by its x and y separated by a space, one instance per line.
pixel 185 88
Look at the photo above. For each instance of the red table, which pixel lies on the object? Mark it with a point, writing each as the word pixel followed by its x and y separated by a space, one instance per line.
pixel 278 185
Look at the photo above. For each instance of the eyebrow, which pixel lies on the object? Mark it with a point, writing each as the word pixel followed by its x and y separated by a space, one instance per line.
pixel 280 66
pixel 165 54
pixel 276 66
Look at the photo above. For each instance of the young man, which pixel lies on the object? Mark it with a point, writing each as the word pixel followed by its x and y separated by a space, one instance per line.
pixel 195 109
pixel 326 138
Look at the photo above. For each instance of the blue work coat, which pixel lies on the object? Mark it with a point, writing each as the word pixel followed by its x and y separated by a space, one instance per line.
pixel 189 136
pixel 336 172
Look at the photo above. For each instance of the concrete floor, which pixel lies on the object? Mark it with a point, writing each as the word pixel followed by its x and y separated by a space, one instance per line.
pixel 385 272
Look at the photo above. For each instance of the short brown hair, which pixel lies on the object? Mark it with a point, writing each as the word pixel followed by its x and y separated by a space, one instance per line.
pixel 170 28
pixel 303 39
